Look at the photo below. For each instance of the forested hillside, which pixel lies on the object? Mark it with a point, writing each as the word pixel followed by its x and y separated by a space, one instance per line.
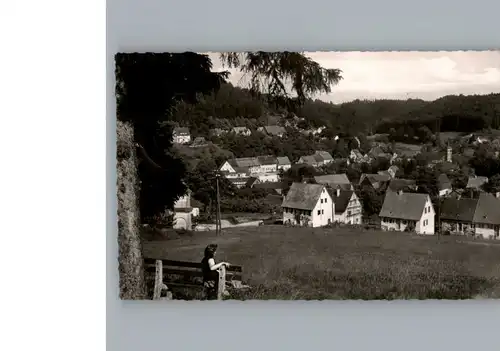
pixel 234 106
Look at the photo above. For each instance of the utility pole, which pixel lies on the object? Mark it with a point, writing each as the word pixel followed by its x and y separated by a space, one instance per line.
pixel 218 219
pixel 439 217
pixel 439 197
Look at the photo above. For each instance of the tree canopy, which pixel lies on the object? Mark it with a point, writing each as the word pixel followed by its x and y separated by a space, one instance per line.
pixel 284 78
pixel 150 85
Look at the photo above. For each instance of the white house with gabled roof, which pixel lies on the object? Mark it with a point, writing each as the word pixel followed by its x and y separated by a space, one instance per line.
pixel 308 205
pixel 407 211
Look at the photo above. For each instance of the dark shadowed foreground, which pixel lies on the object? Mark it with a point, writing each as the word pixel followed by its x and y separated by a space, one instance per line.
pixel 324 263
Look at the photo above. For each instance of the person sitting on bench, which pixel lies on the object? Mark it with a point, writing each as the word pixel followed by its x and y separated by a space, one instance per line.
pixel 210 272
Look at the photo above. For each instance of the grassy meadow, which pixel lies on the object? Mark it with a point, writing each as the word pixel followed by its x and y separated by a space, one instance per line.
pixel 345 263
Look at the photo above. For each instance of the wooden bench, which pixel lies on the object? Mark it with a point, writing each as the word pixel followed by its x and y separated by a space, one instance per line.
pixel 168 273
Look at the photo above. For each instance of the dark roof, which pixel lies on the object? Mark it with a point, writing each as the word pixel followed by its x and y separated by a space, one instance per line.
pixel 269 185
pixel 245 162
pixel 274 199
pixel 310 160
pixel 267 160
pixel 317 157
pixel 332 179
pixel 444 182
pixel 461 209
pixel 374 178
pixel 181 130
pixel 403 206
pixel 303 196
pixel 342 200
pixel 251 182
pixel 487 210
pixel 476 182
pixel 401 184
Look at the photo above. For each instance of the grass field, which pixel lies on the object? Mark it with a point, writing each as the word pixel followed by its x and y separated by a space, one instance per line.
pixel 343 263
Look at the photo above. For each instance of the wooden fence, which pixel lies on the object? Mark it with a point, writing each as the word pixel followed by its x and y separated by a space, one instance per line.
pixel 169 273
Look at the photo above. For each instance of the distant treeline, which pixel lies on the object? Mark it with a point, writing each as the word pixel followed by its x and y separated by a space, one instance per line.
pixel 234 106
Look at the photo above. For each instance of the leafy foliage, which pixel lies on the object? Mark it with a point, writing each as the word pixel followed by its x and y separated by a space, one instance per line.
pixel 272 72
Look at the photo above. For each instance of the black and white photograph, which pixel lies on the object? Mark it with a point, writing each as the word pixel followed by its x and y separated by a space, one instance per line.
pixel 308 175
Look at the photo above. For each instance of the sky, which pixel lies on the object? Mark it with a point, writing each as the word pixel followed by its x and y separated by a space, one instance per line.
pixel 402 75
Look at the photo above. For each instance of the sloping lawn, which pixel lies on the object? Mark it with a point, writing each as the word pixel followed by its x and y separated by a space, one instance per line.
pixel 343 263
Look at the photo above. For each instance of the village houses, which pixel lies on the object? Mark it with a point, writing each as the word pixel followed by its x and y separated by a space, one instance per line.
pixel 264 168
pixel 396 185
pixel 284 163
pixel 457 215
pixel 198 142
pixel 407 212
pixel 467 216
pixel 319 158
pixel 241 131
pixel 308 205
pixel 376 181
pixel 475 182
pixel 217 132
pixel 313 131
pixel 444 185
pixel 348 207
pixel 181 135
pixel 378 152
pixel 278 131
pixel 334 181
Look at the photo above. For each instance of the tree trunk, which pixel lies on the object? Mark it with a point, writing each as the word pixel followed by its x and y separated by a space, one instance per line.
pixel 130 258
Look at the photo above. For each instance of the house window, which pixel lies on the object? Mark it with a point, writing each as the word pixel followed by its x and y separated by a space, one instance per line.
pixel 325 200
pixel 319 212
pixel 321 200
pixel 425 209
pixel 322 211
